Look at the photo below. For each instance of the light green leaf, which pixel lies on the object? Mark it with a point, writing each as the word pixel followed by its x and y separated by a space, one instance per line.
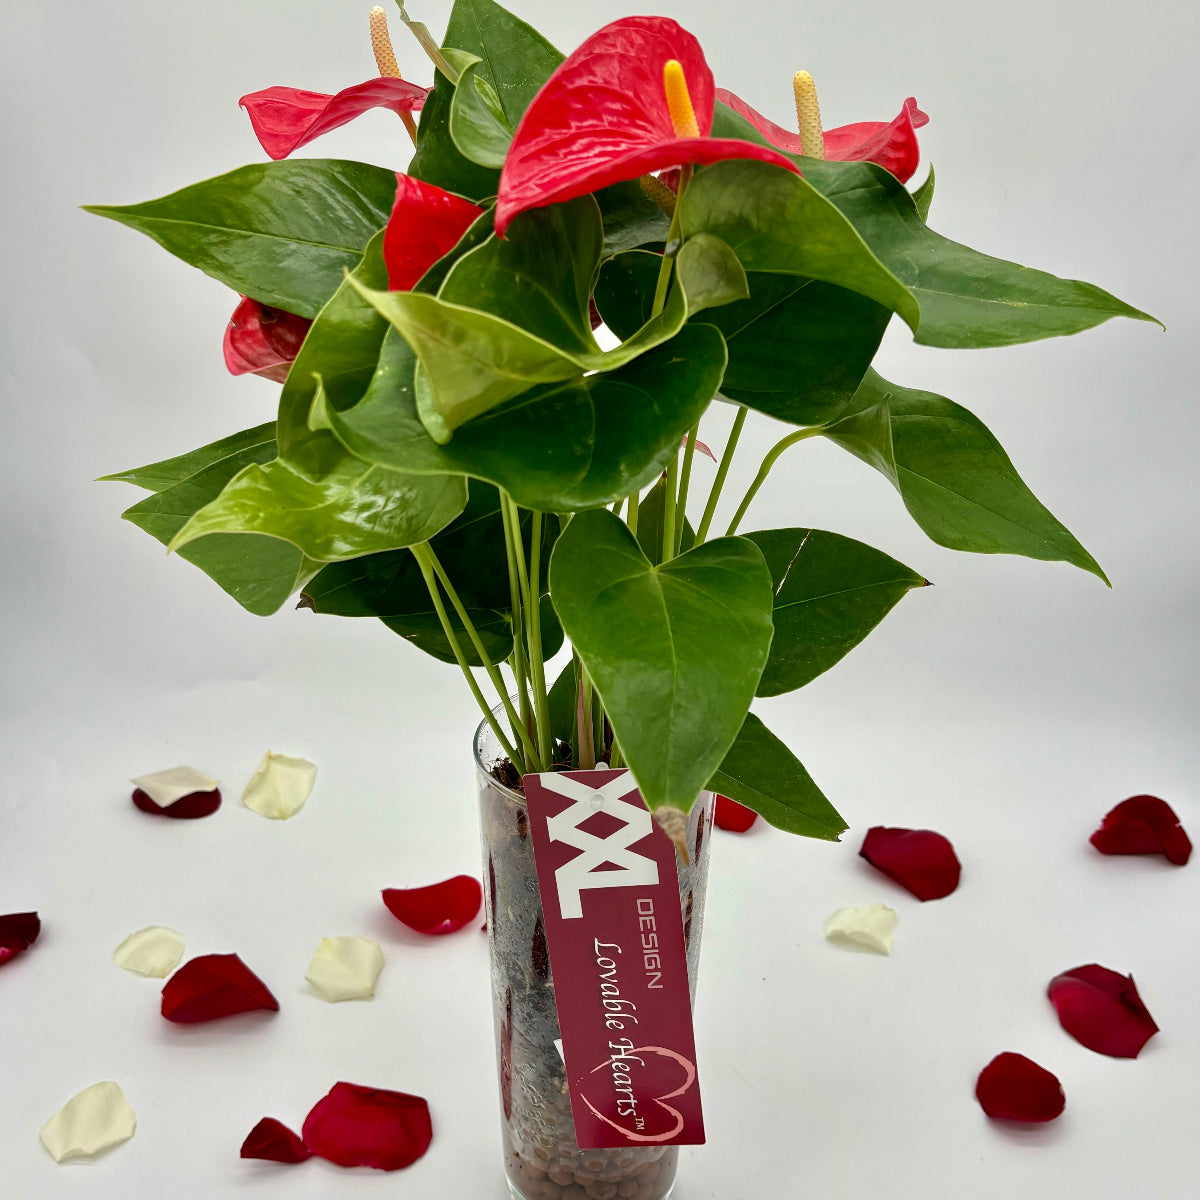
pixel 830 592
pixel 157 477
pixel 923 195
pixel 477 122
pixel 763 774
pixel 710 273
pixel 952 474
pixel 675 651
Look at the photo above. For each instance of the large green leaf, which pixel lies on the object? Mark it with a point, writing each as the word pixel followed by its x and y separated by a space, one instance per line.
pixel 569 446
pixel 923 195
pixel 779 223
pixel 157 477
pixel 798 348
pixel 477 122
pixel 281 232
pixel 952 474
pixel 763 774
pixel 260 573
pixel 390 586
pixel 675 651
pixel 437 159
pixel 830 592
pixel 631 218
pixel 967 299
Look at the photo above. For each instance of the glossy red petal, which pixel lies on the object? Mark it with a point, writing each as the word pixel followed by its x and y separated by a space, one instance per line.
pixel 369 1127
pixel 274 1141
pixel 262 340
pixel 439 908
pixel 1102 1010
pixel 425 224
pixel 602 117
pixel 18 931
pixel 285 119
pixel 889 144
pixel 919 860
pixel 186 808
pixel 1015 1088
pixel 1143 825
pixel 731 815
pixel 214 986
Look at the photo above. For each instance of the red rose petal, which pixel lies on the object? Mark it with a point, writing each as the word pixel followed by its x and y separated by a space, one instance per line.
pixel 426 223
pixel 214 986
pixel 439 908
pixel 369 1127
pixel 1102 1010
pixel 262 340
pixel 186 808
pixel 1143 825
pixel 18 931
pixel 284 118
pixel 731 815
pixel 1015 1088
pixel 274 1141
pixel 919 860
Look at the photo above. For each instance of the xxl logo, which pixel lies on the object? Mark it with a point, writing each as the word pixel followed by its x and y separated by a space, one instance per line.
pixel 634 823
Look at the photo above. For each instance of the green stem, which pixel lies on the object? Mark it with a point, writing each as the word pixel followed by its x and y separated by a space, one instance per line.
pixel 541 704
pixel 722 471
pixel 452 637
pixel 669 492
pixel 632 519
pixel 685 479
pixel 518 622
pixel 426 552
pixel 428 44
pixel 763 471
pixel 668 258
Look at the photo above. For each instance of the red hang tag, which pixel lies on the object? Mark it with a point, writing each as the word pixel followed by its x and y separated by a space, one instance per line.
pixel 610 897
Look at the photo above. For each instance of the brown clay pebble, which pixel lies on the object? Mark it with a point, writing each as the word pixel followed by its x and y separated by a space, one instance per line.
pixel 561 1176
pixel 602 1190
pixel 574 1193
pixel 628 1188
pixel 533 1172
pixel 595 1165
pixel 546 1190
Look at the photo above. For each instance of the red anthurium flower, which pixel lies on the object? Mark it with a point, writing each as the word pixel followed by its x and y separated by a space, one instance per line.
pixel 919 860
pixel 1143 825
pixel 889 144
pixel 731 815
pixel 285 119
pixel 274 1141
pixel 214 986
pixel 186 808
pixel 1015 1088
pixel 425 224
pixel 605 115
pixel 1102 1010
pixel 439 908
pixel 369 1127
pixel 262 340
pixel 18 931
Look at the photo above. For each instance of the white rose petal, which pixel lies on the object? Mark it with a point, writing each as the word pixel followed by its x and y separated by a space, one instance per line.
pixel 873 926
pixel 154 951
pixel 345 968
pixel 280 786
pixel 165 787
pixel 95 1120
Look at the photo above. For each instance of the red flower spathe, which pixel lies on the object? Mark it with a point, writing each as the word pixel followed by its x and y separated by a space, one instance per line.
pixel 358 1126
pixel 274 1141
pixel 426 223
pixel 284 119
pixel 1143 825
pixel 602 118
pixel 731 815
pixel 889 144
pixel 919 860
pixel 1015 1088
pixel 262 340
pixel 18 931
pixel 1102 1010
pixel 214 986
pixel 439 908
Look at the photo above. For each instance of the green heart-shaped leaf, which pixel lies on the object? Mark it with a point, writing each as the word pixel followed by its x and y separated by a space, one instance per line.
pixel 157 477
pixel 477 122
pixel 675 651
pixel 763 774
pixel 830 592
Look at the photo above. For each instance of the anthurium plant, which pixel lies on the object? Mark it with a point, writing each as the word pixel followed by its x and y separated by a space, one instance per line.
pixel 496 361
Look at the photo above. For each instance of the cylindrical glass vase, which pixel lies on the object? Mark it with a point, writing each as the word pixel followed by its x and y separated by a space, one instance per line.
pixel 542 1160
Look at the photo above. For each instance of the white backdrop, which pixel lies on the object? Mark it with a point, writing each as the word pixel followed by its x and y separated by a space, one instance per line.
pixel 1008 707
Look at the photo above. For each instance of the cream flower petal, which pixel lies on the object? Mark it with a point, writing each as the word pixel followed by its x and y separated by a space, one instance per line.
pixel 93 1121
pixel 873 926
pixel 345 968
pixel 165 787
pixel 280 786
pixel 154 951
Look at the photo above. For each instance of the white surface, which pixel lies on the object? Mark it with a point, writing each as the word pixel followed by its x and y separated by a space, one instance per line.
pixel 1008 707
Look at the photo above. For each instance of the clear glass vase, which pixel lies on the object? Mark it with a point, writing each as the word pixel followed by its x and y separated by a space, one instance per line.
pixel 542 1160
